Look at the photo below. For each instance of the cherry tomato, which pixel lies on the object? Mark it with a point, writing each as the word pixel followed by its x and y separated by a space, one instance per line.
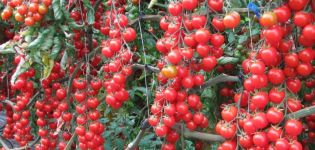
pixel 268 19
pixel 293 127
pixel 189 4
pixel 175 8
pixel 231 20
pixel 215 5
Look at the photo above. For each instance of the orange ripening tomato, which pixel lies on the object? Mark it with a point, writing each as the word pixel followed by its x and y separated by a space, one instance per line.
pixel 42 9
pixel 18 17
pixel 169 71
pixel 268 19
pixel 232 20
pixel 7 13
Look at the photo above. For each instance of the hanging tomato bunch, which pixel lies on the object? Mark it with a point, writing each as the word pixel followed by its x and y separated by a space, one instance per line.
pixel 89 128
pixel 18 126
pixel 274 76
pixel 188 48
pixel 25 12
pixel 52 108
pixel 68 68
pixel 117 50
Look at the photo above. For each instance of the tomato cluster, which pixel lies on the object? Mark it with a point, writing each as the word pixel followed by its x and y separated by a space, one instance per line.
pixel 278 76
pixel 188 48
pixel 24 11
pixel 274 76
pixel 80 35
pixel 50 108
pixel 54 107
pixel 89 129
pixel 119 54
pixel 308 98
pixel 18 124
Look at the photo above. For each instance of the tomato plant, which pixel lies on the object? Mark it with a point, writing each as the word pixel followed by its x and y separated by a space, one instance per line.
pixel 131 74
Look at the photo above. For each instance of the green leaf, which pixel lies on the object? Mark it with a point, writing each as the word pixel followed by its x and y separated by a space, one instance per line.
pixel 64 28
pixel 104 120
pixel 48 43
pixel 22 67
pixel 37 68
pixel 117 130
pixel 228 51
pixel 255 32
pixel 64 60
pixel 146 139
pixel 30 31
pixel 149 40
pixel 107 133
pixel 119 143
pixel 146 58
pixel 36 56
pixel 236 4
pixel 108 144
pixel 72 24
pixel 149 141
pixel 70 49
pixel 227 60
pixel 189 144
pixel 90 12
pixel 247 19
pixel 39 40
pixel 207 93
pixel 7 48
pixel 57 9
pixel 56 48
pixel 150 44
pixel 214 145
pixel 48 65
pixel 28 38
pixel 231 37
pixel 242 39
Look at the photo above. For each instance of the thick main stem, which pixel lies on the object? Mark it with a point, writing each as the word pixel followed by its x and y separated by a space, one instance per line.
pixel 218 79
pixel 158 17
pixel 301 113
pixel 142 67
pixel 136 141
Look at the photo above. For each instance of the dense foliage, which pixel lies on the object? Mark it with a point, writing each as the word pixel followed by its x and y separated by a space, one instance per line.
pixel 132 74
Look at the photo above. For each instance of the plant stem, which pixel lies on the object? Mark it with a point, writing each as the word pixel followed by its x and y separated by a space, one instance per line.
pixel 96 4
pixel 301 113
pixel 68 146
pixel 149 68
pixel 144 126
pixel 136 141
pixel 218 79
pixel 158 17
pixel 10 103
pixel 27 146
pixel 74 73
pixel 33 99
pixel 18 148
pixel 199 135
pixel 5 146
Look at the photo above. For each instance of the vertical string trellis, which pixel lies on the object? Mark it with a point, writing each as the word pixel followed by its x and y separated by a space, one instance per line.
pixel 145 56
